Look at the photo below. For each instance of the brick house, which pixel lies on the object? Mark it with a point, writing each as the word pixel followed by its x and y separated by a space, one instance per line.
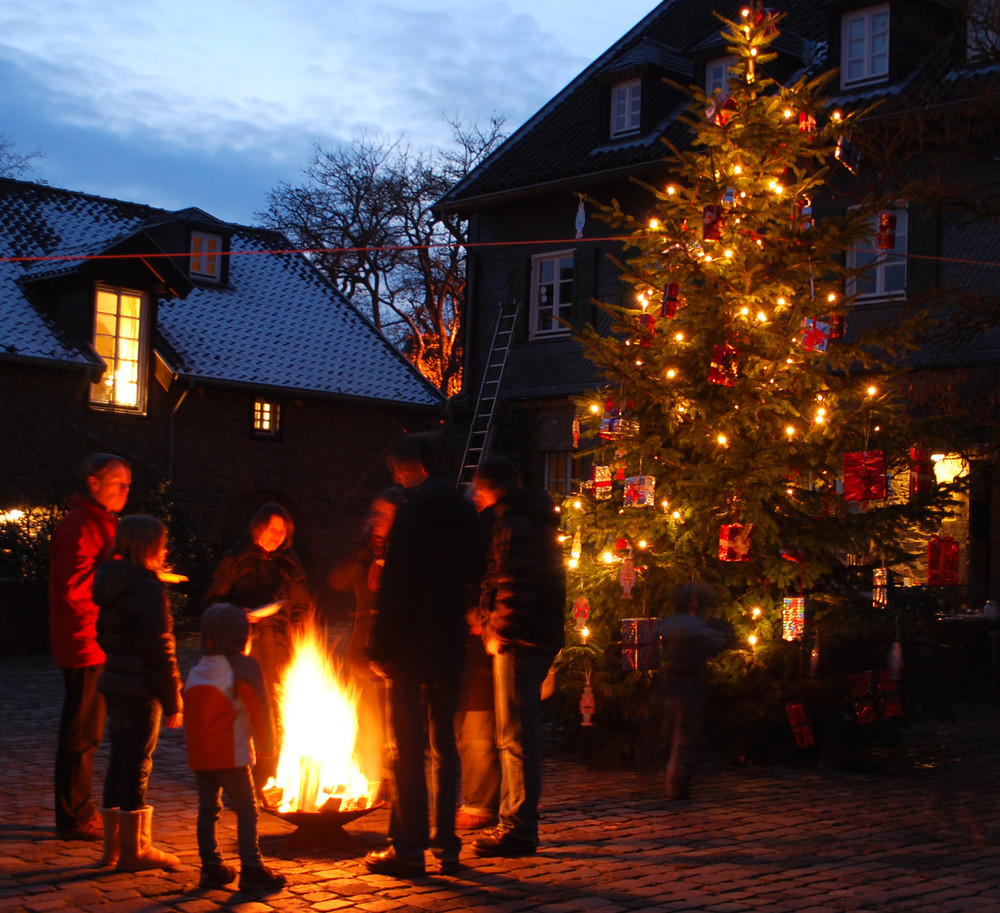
pixel 607 126
pixel 209 354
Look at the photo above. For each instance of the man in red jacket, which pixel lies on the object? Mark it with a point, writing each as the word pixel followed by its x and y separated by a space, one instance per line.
pixel 81 541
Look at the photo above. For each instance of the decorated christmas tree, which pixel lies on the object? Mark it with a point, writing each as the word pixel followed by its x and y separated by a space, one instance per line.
pixel 750 436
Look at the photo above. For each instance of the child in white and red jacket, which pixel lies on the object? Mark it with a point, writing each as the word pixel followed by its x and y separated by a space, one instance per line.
pixel 225 706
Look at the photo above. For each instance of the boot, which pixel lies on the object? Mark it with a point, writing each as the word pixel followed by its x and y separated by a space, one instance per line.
pixel 135 832
pixel 109 817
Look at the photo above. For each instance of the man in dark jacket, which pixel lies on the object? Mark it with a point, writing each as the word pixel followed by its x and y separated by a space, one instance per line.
pixel 80 542
pixel 417 644
pixel 521 607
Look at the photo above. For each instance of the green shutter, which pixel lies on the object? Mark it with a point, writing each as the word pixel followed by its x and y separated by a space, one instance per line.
pixel 519 277
pixel 922 249
pixel 584 286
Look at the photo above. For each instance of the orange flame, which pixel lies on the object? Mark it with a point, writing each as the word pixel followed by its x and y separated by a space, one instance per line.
pixel 318 710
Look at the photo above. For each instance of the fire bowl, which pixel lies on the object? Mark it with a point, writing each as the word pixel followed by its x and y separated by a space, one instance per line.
pixel 326 818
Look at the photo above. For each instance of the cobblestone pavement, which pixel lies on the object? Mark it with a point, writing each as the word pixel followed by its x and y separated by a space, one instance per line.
pixel 919 835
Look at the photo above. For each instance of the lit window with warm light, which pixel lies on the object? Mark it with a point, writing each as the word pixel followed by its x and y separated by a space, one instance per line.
pixel 120 319
pixel 266 417
pixel 206 256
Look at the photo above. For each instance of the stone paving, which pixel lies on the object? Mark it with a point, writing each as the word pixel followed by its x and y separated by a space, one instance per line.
pixel 920 834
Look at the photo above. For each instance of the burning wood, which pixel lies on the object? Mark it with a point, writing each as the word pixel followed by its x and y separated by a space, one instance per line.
pixel 317 770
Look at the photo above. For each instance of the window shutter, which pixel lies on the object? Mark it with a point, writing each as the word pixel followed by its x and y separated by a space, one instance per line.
pixel 584 286
pixel 922 248
pixel 519 277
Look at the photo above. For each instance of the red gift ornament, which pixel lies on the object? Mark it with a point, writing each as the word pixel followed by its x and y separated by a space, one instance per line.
pixel 723 369
pixel 641 651
pixel 807 123
pixel 720 108
pixel 836 324
pixel 922 477
pixel 735 541
pixel 648 324
pixel 712 223
pixel 815 334
pixel 799 722
pixel 602 482
pixel 885 239
pixel 864 476
pixel 874 696
pixel 671 294
pixel 942 562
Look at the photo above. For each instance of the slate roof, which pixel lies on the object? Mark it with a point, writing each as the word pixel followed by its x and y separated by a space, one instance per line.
pixel 561 141
pixel 279 324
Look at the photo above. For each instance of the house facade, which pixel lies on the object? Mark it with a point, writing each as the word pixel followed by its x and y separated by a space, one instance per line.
pixel 209 354
pixel 533 236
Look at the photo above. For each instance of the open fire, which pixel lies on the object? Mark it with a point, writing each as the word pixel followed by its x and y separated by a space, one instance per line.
pixel 317 770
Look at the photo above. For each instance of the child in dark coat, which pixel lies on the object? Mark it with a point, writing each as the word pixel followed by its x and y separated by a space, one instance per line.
pixel 226 706
pixel 141 686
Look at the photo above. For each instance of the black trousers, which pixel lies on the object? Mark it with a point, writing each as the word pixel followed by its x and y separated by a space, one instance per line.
pixel 81 728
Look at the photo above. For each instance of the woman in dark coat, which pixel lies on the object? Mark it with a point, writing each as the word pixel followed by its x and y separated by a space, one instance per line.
pixel 262 575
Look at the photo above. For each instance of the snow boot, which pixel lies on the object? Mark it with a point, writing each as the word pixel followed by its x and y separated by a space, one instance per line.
pixel 135 832
pixel 109 817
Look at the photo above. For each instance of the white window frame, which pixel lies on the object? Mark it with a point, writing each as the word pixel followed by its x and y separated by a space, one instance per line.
pixel 718 72
pixel 547 281
pixel 206 256
pixel 266 417
pixel 864 46
pixel 886 275
pixel 626 107
pixel 121 319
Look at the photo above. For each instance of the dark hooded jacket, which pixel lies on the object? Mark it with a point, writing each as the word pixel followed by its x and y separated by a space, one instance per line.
pixel 524 589
pixel 418 633
pixel 136 633
pixel 250 577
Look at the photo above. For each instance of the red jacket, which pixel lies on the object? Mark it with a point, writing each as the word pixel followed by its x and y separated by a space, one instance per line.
pixel 80 542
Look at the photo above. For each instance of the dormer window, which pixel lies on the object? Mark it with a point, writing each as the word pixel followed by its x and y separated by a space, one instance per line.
pixel 626 101
pixel 206 256
pixel 718 73
pixel 120 318
pixel 864 48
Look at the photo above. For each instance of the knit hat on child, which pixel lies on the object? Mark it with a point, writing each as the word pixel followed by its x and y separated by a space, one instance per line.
pixel 224 629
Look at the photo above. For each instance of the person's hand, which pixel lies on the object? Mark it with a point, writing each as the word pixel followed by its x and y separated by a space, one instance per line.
pixel 493 646
pixel 175 720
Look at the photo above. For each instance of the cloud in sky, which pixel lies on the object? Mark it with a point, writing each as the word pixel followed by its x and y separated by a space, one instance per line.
pixel 181 103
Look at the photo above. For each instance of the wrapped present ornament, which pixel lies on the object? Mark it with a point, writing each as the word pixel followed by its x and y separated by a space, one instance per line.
pixel 874 696
pixel 720 108
pixel 647 324
pixel 807 122
pixel 799 722
pixel 671 297
pixel 712 223
pixel 613 425
pixel 723 369
pixel 922 478
pixel 641 651
pixel 815 334
pixel 885 238
pixel 848 155
pixel 836 324
pixel 640 491
pixel 793 617
pixel 864 476
pixel 881 587
pixel 602 482
pixel 942 562
pixel 735 540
